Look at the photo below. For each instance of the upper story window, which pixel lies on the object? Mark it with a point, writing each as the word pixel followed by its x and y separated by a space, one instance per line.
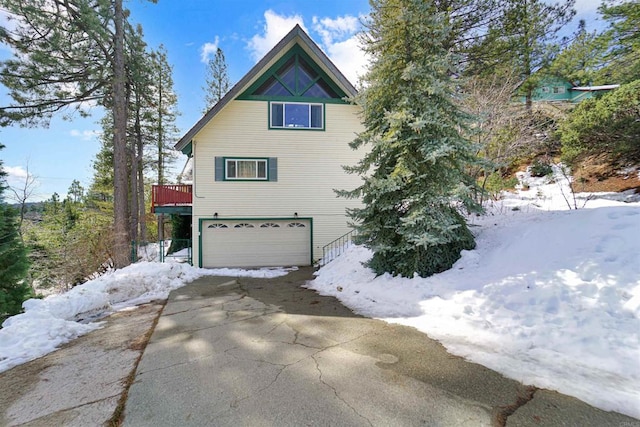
pixel 246 169
pixel 558 89
pixel 296 115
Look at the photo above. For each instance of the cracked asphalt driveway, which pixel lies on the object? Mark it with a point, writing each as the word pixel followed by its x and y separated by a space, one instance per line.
pixel 266 352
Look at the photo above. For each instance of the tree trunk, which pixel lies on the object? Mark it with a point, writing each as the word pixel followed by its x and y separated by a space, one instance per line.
pixel 120 175
pixel 138 158
pixel 160 132
pixel 134 196
pixel 135 169
pixel 142 215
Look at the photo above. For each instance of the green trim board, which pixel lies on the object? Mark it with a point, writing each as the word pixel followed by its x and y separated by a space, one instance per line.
pixel 188 149
pixel 174 210
pixel 293 218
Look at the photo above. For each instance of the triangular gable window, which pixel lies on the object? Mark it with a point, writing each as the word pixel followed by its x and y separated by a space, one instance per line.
pixel 294 76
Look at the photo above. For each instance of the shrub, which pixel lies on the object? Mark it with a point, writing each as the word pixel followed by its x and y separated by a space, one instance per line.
pixel 540 168
pixel 608 124
pixel 496 183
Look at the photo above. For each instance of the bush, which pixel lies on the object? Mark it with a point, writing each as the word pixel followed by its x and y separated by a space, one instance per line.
pixel 181 232
pixel 539 168
pixel 496 183
pixel 608 124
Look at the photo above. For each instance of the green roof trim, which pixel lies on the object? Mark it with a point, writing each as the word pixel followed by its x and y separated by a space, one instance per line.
pixel 188 149
pixel 298 90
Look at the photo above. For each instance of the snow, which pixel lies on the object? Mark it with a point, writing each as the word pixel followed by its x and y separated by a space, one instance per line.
pixel 549 297
pixel 57 319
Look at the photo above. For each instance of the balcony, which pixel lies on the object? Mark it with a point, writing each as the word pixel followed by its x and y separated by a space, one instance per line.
pixel 172 199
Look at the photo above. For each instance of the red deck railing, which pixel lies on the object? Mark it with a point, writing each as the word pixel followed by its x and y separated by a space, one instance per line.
pixel 171 195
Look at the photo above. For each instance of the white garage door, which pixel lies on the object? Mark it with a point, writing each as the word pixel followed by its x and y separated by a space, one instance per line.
pixel 253 243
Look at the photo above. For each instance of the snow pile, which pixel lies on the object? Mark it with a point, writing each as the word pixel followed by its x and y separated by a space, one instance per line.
pixel 48 323
pixel 549 298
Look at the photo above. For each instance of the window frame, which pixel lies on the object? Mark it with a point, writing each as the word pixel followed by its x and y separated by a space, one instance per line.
pixel 285 103
pixel 257 160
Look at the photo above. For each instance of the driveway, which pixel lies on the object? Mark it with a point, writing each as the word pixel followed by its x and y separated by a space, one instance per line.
pixel 267 352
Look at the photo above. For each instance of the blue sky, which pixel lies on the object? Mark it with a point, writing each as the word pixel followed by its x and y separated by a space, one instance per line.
pixel 190 30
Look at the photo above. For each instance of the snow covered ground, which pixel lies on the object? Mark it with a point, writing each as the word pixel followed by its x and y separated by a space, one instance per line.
pixel 549 297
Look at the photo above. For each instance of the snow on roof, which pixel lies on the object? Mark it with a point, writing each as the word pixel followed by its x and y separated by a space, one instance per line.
pixel 595 88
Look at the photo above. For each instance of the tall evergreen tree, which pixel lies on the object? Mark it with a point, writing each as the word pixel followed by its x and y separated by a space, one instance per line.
pixel 524 38
pixel 217 84
pixel 624 32
pixel 468 20
pixel 13 258
pixel 164 114
pixel 68 54
pixel 581 60
pixel 414 178
pixel 139 100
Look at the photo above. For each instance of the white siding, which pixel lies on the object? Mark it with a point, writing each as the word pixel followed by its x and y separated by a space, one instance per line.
pixel 309 168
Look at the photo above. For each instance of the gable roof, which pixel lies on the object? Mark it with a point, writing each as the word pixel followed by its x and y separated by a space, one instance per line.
pixel 301 37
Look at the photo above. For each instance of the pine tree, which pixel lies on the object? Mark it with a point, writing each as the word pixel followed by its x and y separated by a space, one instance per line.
pixel 523 38
pixel 164 115
pixel 217 80
pixel 69 54
pixel 580 62
pixel 623 65
pixel 414 178
pixel 13 258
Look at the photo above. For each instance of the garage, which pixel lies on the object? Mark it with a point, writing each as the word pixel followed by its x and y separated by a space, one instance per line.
pixel 256 243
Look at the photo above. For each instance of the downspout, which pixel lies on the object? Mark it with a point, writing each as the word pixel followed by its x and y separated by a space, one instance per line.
pixel 195 194
pixel 193 155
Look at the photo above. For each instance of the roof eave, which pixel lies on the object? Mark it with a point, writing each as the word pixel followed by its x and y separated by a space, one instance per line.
pixel 297 31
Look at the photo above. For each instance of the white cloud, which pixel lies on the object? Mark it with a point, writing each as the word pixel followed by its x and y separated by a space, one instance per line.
pixel 208 50
pixel 19 180
pixel 9 22
pixel 275 28
pixel 85 135
pixel 340 42
pixel 339 28
pixel 349 57
pixel 586 6
pixel 338 39
pixel 15 172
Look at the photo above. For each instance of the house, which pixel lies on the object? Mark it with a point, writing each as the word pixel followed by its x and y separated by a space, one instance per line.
pixel 265 162
pixel 558 89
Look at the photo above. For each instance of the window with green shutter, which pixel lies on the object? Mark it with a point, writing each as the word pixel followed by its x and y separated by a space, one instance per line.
pixel 246 169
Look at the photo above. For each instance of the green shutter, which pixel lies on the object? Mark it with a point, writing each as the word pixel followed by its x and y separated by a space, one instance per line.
pixel 273 168
pixel 219 168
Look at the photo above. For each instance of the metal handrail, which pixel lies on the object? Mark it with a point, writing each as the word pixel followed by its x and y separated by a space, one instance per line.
pixel 188 257
pixel 337 247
